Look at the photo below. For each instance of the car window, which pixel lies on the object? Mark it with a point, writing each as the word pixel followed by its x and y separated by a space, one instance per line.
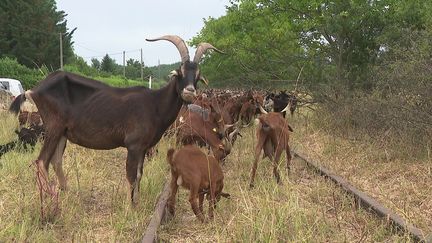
pixel 21 88
pixel 5 85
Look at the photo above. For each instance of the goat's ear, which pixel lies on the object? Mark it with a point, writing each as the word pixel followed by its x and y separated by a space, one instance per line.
pixel 173 73
pixel 204 80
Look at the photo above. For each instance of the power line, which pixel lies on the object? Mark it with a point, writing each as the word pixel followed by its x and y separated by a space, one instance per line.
pixel 112 54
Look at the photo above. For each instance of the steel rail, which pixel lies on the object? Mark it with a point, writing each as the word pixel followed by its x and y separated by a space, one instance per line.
pixel 363 200
pixel 150 235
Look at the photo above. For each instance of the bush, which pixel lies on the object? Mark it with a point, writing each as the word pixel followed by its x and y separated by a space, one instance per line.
pixel 10 68
pixel 397 112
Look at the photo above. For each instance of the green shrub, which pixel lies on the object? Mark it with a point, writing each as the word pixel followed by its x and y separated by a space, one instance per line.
pixel 10 68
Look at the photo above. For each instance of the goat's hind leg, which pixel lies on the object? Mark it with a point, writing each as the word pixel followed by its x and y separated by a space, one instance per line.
pixel 193 202
pixel 49 147
pixel 57 162
pixel 172 196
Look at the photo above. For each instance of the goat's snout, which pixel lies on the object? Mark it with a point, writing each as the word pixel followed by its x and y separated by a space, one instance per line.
pixel 189 93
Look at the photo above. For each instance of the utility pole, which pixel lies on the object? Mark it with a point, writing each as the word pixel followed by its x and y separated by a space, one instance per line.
pixel 150 81
pixel 61 50
pixel 142 67
pixel 124 65
pixel 159 75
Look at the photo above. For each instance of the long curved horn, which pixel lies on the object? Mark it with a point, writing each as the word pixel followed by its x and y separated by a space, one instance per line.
pixel 262 110
pixel 201 49
pixel 178 42
pixel 286 108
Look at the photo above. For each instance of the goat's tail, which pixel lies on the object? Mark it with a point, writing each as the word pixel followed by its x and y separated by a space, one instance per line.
pixel 16 104
pixel 170 155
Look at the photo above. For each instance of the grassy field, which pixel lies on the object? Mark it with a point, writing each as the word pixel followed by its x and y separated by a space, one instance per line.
pixel 398 180
pixel 306 208
pixel 96 206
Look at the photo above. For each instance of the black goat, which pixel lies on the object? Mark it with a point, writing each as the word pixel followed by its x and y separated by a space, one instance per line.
pixel 26 136
pixel 281 100
pixel 94 115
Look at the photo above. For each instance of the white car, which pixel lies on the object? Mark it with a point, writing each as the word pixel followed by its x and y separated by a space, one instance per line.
pixel 11 85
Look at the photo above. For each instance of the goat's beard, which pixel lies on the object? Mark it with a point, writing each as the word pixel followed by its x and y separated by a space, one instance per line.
pixel 188 98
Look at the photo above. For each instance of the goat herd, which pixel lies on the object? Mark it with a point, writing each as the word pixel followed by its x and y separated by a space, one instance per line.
pixel 94 115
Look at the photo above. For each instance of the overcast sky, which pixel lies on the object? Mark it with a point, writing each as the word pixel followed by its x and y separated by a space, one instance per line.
pixel 116 26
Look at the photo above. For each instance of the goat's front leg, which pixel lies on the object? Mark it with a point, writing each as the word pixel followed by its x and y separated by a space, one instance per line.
pixel 258 149
pixel 288 159
pixel 276 165
pixel 201 201
pixel 193 202
pixel 140 171
pixel 212 200
pixel 134 158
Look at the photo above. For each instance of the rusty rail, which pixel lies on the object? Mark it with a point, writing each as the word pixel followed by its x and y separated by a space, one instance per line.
pixel 363 200
pixel 151 232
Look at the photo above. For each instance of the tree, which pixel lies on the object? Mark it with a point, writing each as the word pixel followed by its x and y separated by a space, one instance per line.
pixel 31 34
pixel 95 63
pixel 108 64
pixel 260 46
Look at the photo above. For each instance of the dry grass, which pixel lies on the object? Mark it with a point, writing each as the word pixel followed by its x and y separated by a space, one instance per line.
pixel 306 208
pixel 400 182
pixel 96 206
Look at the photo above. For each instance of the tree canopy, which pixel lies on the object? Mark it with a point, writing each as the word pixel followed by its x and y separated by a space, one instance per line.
pixel 327 42
pixel 30 31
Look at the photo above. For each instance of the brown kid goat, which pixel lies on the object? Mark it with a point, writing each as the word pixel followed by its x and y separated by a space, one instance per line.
pixel 200 174
pixel 273 137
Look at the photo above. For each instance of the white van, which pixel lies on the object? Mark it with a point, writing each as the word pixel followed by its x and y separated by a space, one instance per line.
pixel 12 85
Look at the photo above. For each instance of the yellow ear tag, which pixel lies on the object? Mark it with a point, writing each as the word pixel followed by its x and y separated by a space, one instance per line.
pixel 214 130
pixel 205 81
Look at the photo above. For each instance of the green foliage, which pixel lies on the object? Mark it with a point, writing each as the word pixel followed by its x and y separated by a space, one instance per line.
pixel 334 43
pixel 108 64
pixel 259 46
pixel 95 64
pixel 162 71
pixel 10 68
pixel 30 33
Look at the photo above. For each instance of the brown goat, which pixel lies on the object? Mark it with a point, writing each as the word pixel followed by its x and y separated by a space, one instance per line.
pixel 30 118
pixel 200 174
pixel 273 137
pixel 193 127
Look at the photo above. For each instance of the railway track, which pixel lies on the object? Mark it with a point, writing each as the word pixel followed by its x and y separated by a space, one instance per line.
pixel 367 202
pixel 361 199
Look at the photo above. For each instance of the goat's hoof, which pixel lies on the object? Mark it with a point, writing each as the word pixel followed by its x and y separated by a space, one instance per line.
pixel 251 186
